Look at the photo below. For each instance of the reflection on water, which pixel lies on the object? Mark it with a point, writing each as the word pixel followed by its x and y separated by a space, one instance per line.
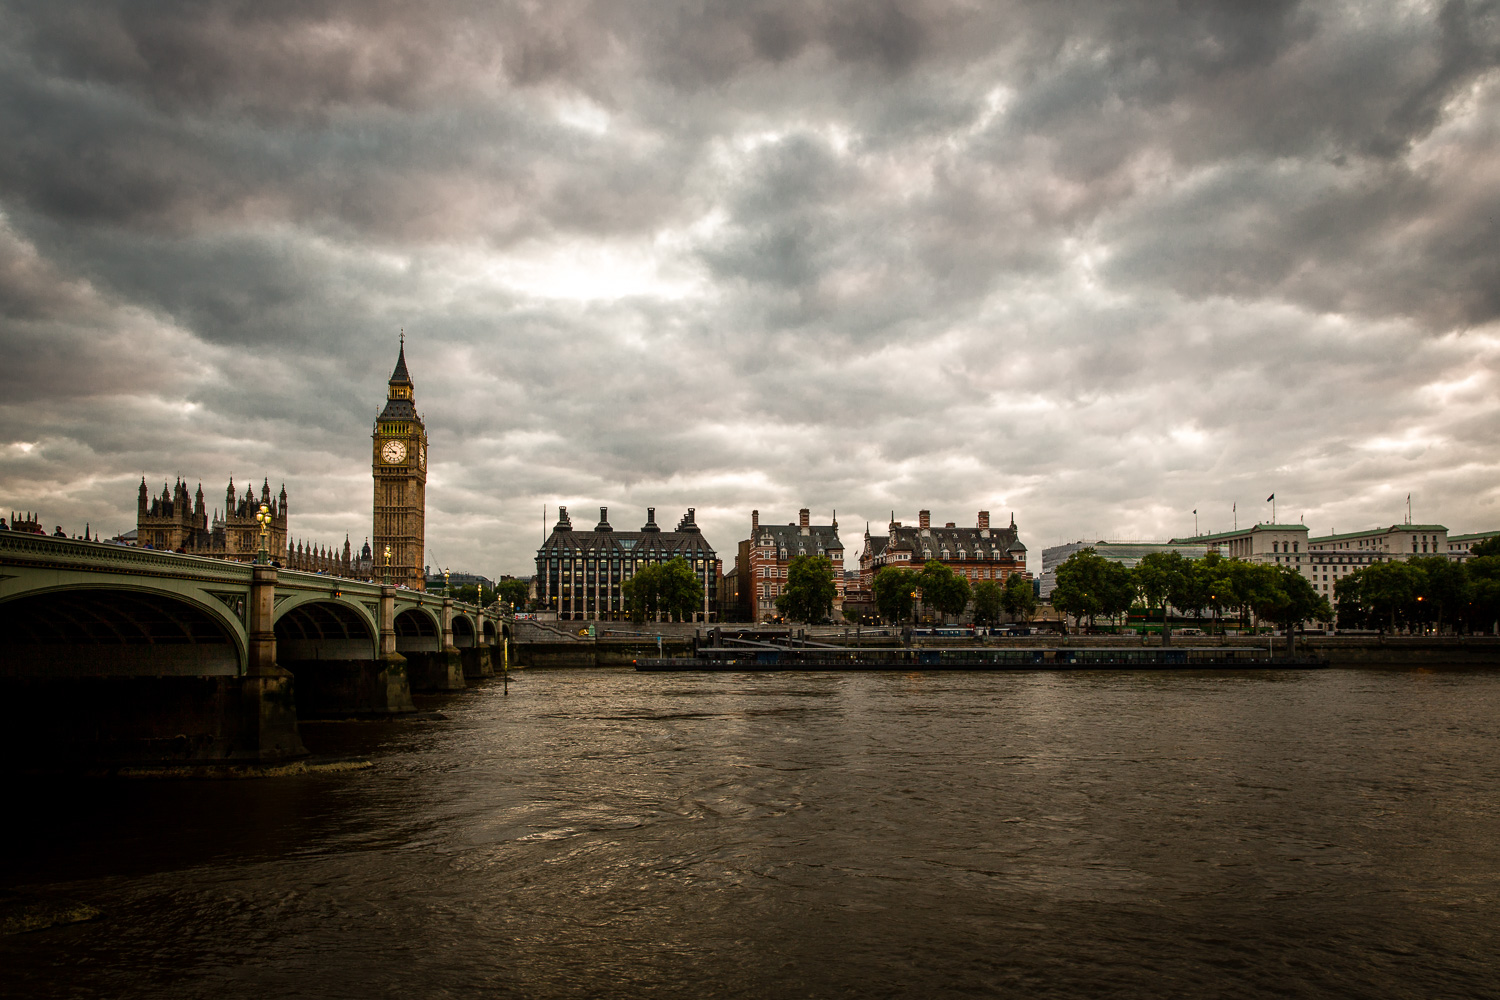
pixel 1330 833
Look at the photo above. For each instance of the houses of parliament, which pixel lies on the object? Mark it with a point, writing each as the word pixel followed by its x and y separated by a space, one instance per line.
pixel 181 522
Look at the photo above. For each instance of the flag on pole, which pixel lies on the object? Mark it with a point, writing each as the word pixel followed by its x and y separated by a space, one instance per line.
pixel 1270 498
pixel 1195 510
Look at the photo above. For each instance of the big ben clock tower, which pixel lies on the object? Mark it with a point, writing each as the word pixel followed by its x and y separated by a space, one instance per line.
pixel 400 470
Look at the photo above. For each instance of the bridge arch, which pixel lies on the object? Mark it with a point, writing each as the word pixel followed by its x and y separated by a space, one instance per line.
pixel 119 631
pixel 463 632
pixel 324 630
pixel 417 631
pixel 491 638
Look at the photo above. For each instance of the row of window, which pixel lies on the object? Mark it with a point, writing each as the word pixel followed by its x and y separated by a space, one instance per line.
pixel 628 562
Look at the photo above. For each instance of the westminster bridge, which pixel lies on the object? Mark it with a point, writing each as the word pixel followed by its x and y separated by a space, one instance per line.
pixel 120 654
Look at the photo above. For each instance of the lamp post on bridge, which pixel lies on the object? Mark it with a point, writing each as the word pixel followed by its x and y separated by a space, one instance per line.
pixel 263 516
pixel 387 580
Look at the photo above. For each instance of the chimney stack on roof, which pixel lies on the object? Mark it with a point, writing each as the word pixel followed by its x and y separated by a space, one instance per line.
pixel 804 517
pixel 754 520
pixel 984 519
pixel 924 518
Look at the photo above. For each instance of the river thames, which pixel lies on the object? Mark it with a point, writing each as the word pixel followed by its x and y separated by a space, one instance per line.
pixel 1327 833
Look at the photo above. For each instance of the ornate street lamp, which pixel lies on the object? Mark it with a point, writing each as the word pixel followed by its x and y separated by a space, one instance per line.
pixel 264 517
pixel 387 565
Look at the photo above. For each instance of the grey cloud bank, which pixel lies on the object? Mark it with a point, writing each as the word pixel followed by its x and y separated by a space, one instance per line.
pixel 1099 264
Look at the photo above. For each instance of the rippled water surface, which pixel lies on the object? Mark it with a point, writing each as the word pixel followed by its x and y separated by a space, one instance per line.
pixel 604 833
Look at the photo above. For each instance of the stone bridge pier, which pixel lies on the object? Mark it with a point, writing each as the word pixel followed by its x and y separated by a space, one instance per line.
pixel 343 652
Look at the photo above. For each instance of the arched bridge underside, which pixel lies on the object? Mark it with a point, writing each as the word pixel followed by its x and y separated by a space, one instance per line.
pixel 115 632
pixel 417 631
pixel 159 654
pixel 325 630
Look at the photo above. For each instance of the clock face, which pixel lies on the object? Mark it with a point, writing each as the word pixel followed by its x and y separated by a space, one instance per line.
pixel 393 452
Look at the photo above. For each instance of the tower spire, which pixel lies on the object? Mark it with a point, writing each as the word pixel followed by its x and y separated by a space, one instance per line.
pixel 400 376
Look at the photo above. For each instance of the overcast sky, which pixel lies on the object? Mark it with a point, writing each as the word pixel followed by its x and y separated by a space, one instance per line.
pixel 1098 264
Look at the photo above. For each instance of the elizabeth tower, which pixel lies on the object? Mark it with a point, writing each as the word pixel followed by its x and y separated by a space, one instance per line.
pixel 400 469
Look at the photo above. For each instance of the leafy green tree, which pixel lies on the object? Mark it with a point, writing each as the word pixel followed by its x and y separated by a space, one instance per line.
pixel 1217 581
pixel 1192 591
pixel 1159 577
pixel 516 593
pixel 1442 590
pixel 467 593
pixel 1286 597
pixel 988 602
pixel 1489 547
pixel 1088 585
pixel 892 589
pixel 809 591
pixel 1251 586
pixel 668 591
pixel 1350 597
pixel 943 590
pixel 1387 593
pixel 1019 597
pixel 1484 593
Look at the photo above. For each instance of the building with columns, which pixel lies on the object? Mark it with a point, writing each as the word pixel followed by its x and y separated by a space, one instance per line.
pixel 580 575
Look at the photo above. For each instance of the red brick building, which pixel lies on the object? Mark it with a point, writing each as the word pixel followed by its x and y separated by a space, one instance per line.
pixel 766 554
pixel 979 553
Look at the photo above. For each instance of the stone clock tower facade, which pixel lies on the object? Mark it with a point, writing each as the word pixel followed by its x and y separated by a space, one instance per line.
pixel 399 465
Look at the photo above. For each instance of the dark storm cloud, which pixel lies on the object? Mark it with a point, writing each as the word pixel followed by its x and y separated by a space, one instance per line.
pixel 1099 263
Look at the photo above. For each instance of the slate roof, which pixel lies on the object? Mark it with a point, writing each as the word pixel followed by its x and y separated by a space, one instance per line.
pixel 399 409
pixel 400 376
pixel 819 540
pixel 1004 540
pixel 686 541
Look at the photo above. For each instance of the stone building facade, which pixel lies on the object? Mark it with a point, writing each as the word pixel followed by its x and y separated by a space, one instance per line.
pixel 181 522
pixel 580 575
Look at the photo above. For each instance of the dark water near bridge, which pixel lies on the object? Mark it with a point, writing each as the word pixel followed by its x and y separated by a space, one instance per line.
pixel 602 833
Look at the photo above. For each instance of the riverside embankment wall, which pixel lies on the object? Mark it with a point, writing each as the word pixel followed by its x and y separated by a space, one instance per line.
pixel 1393 652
